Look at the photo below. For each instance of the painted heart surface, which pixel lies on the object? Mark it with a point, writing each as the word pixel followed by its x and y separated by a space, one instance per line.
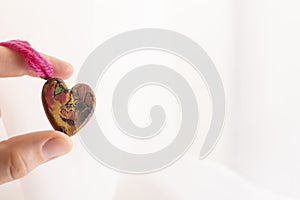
pixel 68 110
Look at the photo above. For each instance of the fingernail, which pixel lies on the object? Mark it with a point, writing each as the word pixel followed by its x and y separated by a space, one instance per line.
pixel 55 147
pixel 69 68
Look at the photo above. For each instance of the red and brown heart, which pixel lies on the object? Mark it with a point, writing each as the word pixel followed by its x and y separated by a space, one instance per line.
pixel 68 110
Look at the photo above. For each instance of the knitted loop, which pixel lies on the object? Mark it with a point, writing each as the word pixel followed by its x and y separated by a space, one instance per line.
pixel 40 65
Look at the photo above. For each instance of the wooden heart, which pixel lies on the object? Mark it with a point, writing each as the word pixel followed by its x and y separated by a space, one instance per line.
pixel 68 110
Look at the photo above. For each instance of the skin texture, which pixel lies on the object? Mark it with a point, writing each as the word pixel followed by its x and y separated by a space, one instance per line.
pixel 21 154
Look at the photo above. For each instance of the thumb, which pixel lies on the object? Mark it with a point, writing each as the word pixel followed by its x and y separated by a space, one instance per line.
pixel 21 154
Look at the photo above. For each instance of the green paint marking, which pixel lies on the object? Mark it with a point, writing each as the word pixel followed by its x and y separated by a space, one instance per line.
pixel 57 90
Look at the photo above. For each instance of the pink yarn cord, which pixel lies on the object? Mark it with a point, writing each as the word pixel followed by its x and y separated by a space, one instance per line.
pixel 40 65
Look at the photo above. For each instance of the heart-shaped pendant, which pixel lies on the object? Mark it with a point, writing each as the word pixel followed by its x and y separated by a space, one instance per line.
pixel 68 110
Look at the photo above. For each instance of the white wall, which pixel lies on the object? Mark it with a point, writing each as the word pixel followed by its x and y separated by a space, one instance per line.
pixel 267 87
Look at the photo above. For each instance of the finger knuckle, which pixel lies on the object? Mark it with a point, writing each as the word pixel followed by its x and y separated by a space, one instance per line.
pixel 17 165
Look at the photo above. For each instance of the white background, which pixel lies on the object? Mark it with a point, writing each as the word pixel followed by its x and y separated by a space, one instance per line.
pixel 254 45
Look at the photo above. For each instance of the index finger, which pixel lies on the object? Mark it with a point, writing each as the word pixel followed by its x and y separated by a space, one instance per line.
pixel 13 64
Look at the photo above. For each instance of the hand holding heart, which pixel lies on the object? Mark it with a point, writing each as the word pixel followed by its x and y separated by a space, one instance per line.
pixel 21 154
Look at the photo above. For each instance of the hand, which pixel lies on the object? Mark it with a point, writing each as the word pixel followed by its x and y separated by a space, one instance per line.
pixel 21 154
